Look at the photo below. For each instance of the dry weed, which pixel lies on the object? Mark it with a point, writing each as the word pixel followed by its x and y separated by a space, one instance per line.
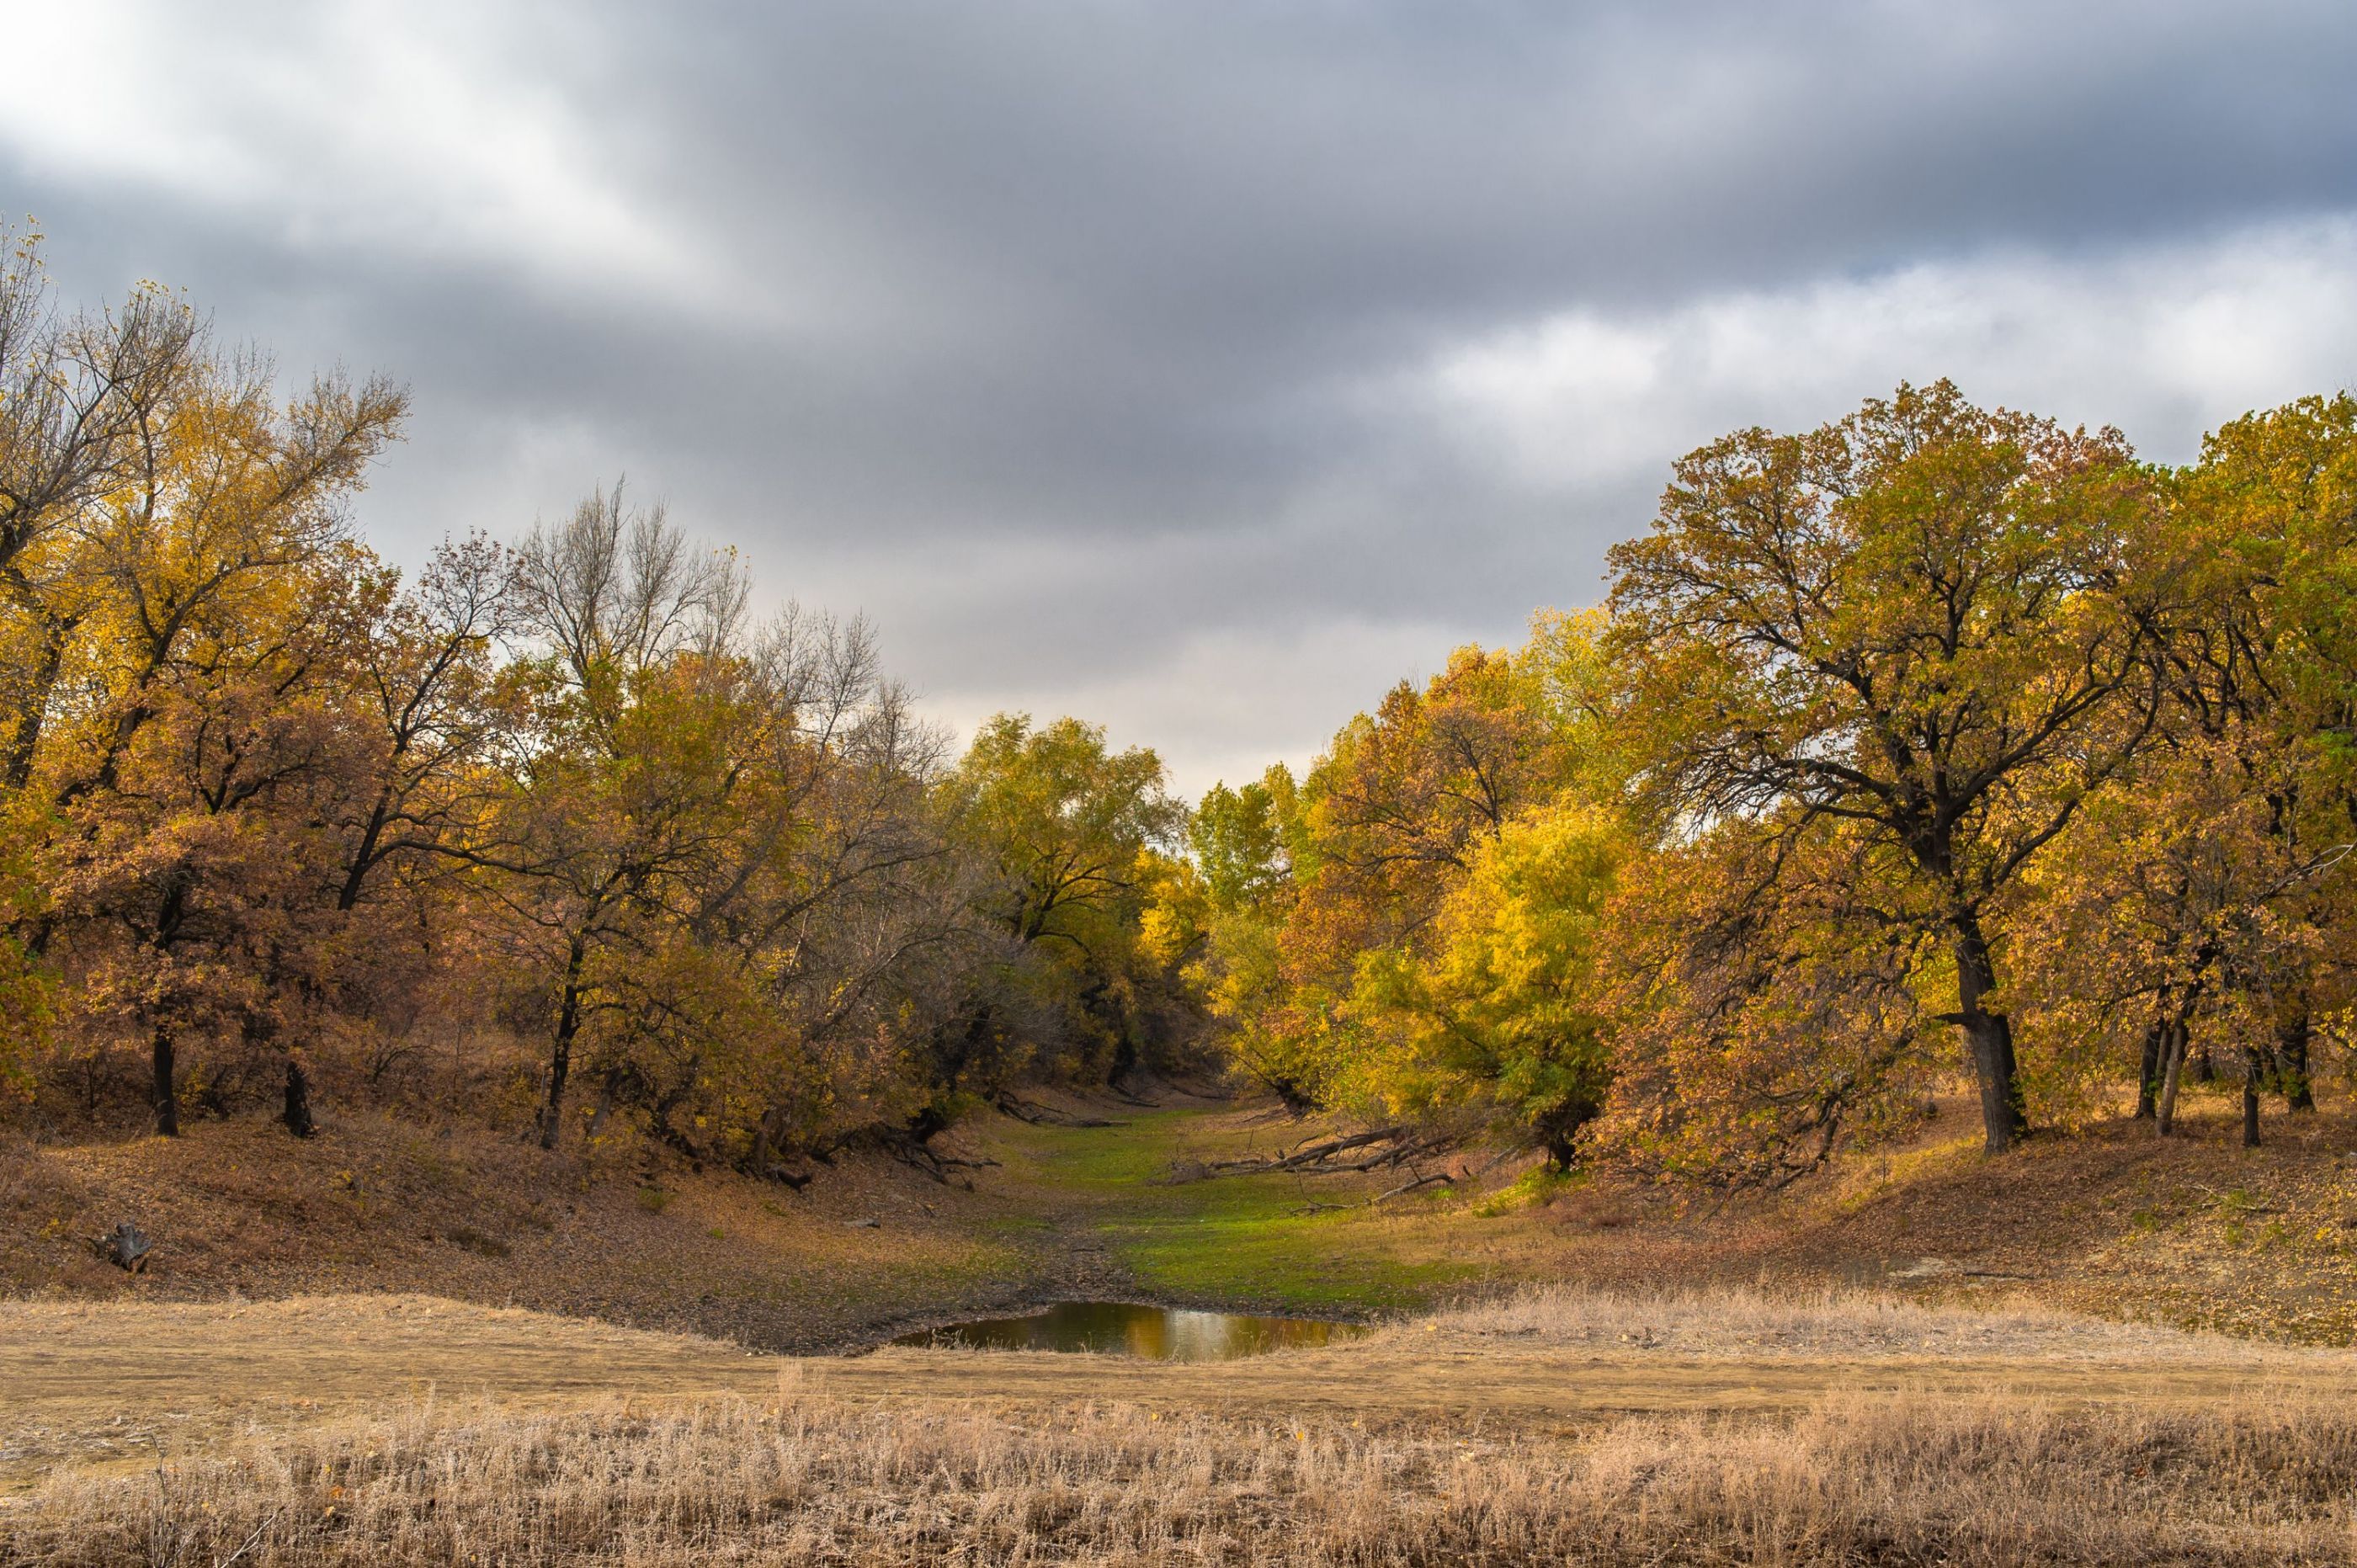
pixel 1817 1323
pixel 1853 1480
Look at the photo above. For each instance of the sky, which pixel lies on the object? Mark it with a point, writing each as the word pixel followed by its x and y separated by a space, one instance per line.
pixel 1201 368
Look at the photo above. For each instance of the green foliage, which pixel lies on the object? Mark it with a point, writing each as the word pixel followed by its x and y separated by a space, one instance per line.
pixel 1535 1188
pixel 1245 1239
pixel 1240 838
pixel 1074 840
pixel 1504 1011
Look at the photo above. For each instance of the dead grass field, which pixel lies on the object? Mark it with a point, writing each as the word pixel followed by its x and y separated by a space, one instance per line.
pixel 117 1387
pixel 1849 1480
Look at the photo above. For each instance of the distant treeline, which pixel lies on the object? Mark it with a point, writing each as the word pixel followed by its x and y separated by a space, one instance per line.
pixel 1937 741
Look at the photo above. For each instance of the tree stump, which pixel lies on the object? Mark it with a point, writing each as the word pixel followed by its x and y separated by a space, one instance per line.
pixel 127 1247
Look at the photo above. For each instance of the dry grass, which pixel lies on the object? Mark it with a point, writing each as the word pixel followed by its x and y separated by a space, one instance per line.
pixel 1850 1481
pixel 373 1204
pixel 123 1383
pixel 1712 1321
pixel 1796 1428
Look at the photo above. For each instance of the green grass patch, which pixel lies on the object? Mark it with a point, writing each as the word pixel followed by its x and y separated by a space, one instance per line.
pixel 1242 1239
pixel 1535 1188
pixel 1308 1261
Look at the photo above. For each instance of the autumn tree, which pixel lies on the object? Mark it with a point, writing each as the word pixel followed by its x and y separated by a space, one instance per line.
pixel 1405 933
pixel 618 759
pixel 2178 908
pixel 87 403
pixel 192 887
pixel 1070 835
pixel 2206 890
pixel 1922 624
pixel 1766 995
pixel 819 940
pixel 200 569
pixel 2263 666
pixel 1228 938
pixel 260 793
pixel 1503 1012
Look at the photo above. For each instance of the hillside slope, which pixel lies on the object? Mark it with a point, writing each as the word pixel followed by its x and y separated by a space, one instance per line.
pixel 2193 1231
pixel 373 1204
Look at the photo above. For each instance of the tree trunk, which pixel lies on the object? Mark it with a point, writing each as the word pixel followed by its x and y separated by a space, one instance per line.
pixel 2205 1066
pixel 166 1102
pixel 2172 1075
pixel 1989 1037
pixel 297 1113
pixel 2291 1061
pixel 2252 1068
pixel 2148 1072
pixel 364 856
pixel 24 746
pixel 560 1054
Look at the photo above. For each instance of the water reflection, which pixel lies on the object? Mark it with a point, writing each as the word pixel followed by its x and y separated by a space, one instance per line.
pixel 1124 1328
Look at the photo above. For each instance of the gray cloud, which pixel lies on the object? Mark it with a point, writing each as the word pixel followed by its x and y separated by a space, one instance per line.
pixel 1193 365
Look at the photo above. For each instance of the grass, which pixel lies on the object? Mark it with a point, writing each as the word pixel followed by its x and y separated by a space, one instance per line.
pixel 1975 1418
pixel 2193 1229
pixel 1258 1240
pixel 1852 1479
pixel 130 1381
pixel 1833 1325
pixel 2114 1221
pixel 1562 1424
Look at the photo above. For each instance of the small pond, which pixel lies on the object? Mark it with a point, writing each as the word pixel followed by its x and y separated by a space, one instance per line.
pixel 1124 1329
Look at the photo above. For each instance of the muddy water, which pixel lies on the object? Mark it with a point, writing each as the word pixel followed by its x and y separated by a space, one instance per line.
pixel 1124 1329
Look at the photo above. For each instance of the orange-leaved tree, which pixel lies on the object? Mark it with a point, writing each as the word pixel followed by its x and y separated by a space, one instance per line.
pixel 1925 627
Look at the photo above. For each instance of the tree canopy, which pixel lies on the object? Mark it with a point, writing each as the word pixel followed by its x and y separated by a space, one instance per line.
pixel 1938 745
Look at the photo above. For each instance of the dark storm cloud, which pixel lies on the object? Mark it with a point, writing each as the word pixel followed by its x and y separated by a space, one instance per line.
pixel 1082 341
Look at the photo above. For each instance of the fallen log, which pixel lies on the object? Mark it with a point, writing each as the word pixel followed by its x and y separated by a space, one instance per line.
pixel 1440 1178
pixel 1320 1159
pixel 1303 1158
pixel 1047 1116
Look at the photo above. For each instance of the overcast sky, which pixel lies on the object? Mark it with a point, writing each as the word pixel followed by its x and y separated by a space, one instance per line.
pixel 1198 368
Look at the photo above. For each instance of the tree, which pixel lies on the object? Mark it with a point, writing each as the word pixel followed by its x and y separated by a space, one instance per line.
pixel 422 679
pixel 1347 953
pixel 1239 837
pixel 1071 837
pixel 2203 887
pixel 2177 905
pixel 1244 842
pixel 1505 1012
pixel 260 797
pixel 1924 624
pixel 619 757
pixel 206 617
pixel 2261 665
pixel 1765 998
pixel 85 403
pixel 193 890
